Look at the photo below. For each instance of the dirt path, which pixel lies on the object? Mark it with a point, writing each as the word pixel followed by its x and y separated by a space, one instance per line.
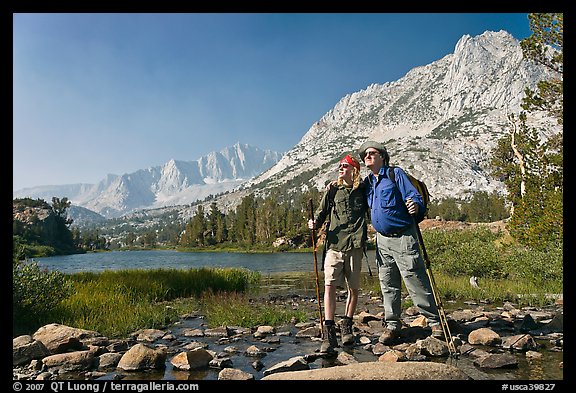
pixel 433 223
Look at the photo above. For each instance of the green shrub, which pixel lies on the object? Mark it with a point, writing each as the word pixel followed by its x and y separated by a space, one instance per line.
pixel 507 270
pixel 539 220
pixel 465 252
pixel 542 267
pixel 36 292
pixel 482 207
pixel 21 250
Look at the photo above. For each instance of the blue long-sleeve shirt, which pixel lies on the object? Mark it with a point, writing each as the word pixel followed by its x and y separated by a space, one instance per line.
pixel 387 201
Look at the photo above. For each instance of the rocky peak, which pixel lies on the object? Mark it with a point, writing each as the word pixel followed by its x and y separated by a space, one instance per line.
pixel 440 121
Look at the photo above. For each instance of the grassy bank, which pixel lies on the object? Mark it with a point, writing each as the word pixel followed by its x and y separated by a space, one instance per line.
pixel 117 303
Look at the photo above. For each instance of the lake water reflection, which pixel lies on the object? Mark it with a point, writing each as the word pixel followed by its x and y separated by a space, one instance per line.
pixel 279 262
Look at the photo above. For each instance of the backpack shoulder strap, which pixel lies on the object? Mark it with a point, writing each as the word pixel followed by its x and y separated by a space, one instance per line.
pixel 392 174
pixel 331 195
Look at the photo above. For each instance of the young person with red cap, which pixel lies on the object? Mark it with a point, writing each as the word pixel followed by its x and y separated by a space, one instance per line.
pixel 346 235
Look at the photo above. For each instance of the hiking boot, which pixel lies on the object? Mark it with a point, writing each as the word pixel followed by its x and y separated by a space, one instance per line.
pixel 329 342
pixel 389 336
pixel 346 331
pixel 437 332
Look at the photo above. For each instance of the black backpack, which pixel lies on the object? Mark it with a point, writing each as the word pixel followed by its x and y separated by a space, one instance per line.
pixel 420 186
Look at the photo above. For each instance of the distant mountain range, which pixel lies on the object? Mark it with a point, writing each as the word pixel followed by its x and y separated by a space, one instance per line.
pixel 440 122
pixel 174 183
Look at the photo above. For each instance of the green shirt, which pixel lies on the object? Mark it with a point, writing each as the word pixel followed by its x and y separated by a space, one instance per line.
pixel 347 228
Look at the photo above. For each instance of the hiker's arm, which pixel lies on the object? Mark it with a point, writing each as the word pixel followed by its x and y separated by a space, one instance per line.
pixel 410 194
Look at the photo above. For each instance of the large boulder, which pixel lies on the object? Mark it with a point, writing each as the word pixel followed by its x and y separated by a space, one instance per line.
pixel 61 338
pixel 143 357
pixel 25 348
pixel 377 371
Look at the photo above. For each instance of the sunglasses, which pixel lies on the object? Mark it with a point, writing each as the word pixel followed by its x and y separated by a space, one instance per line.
pixel 372 153
pixel 344 166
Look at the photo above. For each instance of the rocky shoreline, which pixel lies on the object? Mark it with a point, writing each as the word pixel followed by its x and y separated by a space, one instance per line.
pixel 493 343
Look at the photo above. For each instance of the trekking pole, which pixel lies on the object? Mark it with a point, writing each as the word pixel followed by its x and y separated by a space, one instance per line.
pixel 316 271
pixel 441 314
pixel 368 263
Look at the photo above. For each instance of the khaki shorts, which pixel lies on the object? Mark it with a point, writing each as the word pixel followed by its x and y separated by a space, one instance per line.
pixel 343 266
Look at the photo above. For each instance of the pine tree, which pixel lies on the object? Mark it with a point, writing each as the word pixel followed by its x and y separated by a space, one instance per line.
pixel 546 47
pixel 532 168
pixel 198 227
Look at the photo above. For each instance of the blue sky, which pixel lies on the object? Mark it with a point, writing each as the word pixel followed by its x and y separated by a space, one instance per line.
pixel 100 93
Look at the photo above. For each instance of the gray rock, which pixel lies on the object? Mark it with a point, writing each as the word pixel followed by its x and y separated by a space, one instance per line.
pixel 377 371
pixel 142 357
pixel 25 349
pixel 291 365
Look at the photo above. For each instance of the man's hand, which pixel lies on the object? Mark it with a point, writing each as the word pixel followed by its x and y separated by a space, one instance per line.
pixel 412 207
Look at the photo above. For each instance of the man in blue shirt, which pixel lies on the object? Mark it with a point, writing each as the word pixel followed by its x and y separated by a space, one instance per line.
pixel 393 204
